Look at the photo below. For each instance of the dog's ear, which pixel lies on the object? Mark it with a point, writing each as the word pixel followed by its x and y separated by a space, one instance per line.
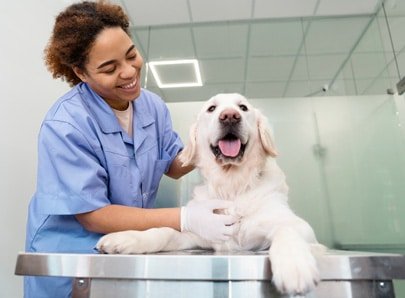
pixel 265 135
pixel 188 154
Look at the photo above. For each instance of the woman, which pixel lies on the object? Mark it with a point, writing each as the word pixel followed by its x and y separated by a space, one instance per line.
pixel 103 147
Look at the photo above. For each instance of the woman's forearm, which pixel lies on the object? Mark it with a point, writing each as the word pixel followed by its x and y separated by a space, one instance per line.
pixel 177 169
pixel 115 218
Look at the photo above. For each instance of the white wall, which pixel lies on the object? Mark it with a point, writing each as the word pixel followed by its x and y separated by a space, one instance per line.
pixel 27 91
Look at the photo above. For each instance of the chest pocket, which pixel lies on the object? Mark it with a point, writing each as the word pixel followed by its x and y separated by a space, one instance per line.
pixel 124 180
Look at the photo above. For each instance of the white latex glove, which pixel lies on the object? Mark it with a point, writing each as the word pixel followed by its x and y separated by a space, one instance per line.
pixel 199 218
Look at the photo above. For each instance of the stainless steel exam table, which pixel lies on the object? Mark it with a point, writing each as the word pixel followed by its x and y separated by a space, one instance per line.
pixel 204 274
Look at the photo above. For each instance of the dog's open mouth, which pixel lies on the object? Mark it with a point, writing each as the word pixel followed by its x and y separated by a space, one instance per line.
pixel 229 147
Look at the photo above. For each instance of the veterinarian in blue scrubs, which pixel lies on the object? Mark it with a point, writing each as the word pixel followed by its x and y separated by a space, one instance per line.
pixel 103 147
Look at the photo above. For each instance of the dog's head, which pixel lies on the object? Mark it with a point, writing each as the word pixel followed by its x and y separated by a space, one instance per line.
pixel 227 130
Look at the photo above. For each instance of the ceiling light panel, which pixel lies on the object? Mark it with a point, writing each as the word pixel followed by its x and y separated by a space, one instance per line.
pixel 176 73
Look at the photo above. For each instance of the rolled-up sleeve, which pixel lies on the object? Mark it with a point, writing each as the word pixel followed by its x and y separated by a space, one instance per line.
pixel 71 179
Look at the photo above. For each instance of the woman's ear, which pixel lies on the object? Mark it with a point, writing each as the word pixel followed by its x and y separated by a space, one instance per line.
pixel 79 73
pixel 188 155
pixel 265 135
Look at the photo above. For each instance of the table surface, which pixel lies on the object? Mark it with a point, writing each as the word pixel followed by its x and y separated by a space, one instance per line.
pixel 205 265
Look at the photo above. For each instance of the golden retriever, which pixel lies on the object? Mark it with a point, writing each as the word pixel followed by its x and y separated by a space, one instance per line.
pixel 231 145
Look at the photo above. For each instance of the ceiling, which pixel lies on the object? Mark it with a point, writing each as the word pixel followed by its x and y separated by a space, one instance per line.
pixel 273 48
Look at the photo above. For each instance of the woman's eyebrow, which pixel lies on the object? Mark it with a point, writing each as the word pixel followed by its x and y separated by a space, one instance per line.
pixel 112 61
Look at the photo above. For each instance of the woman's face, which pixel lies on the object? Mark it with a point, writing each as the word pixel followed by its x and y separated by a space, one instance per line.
pixel 113 69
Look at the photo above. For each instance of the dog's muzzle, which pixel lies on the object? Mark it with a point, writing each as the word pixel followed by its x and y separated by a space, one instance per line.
pixel 229 147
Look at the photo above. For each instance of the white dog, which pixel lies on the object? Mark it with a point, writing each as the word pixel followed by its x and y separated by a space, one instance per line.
pixel 231 145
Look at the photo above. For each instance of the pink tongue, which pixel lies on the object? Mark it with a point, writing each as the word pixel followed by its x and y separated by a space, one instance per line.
pixel 229 147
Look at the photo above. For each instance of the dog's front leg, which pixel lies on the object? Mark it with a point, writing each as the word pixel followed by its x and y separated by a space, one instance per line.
pixel 149 241
pixel 293 265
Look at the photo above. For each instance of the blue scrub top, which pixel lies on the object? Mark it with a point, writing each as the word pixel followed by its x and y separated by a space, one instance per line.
pixel 87 161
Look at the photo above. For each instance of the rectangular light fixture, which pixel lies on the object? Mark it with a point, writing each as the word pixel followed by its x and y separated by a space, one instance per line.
pixel 176 73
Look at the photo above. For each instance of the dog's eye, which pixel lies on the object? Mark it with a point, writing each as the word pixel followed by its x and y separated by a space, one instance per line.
pixel 243 108
pixel 211 109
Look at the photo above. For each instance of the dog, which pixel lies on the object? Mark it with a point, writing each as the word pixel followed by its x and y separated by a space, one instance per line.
pixel 231 145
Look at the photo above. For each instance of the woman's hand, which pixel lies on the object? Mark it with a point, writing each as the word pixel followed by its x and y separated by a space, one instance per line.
pixel 199 218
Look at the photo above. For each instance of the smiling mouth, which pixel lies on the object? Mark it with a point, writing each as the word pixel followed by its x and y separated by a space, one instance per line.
pixel 129 86
pixel 229 147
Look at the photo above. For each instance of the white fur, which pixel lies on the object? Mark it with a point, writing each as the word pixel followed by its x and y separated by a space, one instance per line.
pixel 258 189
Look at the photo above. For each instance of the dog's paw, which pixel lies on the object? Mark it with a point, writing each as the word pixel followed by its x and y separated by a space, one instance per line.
pixel 294 268
pixel 127 242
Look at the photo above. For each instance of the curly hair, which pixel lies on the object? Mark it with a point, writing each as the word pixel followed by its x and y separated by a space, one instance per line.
pixel 74 33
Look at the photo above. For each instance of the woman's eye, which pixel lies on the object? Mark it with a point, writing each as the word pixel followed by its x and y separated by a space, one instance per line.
pixel 243 108
pixel 211 109
pixel 133 57
pixel 109 71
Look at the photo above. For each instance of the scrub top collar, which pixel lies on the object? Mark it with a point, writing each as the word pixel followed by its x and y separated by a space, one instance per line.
pixel 108 121
pixel 100 109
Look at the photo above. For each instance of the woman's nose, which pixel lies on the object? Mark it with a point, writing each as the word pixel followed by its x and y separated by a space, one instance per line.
pixel 129 70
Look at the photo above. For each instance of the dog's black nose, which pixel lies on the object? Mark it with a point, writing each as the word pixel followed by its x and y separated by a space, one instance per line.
pixel 229 116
